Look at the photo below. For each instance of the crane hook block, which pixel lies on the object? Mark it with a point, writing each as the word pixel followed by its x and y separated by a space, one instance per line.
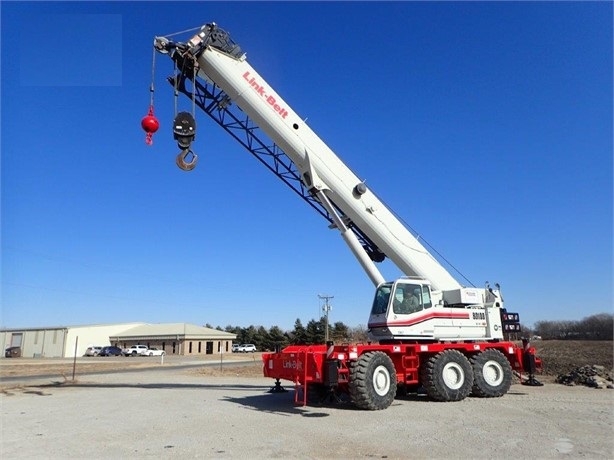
pixel 184 163
pixel 150 125
pixel 184 129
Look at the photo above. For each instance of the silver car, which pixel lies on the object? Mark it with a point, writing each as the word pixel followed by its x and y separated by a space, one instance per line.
pixel 92 351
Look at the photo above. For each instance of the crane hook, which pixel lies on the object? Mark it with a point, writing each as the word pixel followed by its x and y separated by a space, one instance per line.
pixel 183 162
pixel 184 132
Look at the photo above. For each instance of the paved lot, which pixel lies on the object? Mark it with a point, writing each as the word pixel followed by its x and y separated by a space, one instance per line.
pixel 180 413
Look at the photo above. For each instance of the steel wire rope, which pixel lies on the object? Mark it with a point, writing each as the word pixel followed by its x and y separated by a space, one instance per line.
pixel 419 237
pixel 181 32
pixel 412 230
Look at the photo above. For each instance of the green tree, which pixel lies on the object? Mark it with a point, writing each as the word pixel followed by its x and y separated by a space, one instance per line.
pixel 340 333
pixel 315 332
pixel 299 334
pixel 249 335
pixel 277 337
pixel 262 339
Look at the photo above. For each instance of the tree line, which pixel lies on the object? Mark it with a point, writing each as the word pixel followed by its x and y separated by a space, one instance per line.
pixel 312 334
pixel 595 327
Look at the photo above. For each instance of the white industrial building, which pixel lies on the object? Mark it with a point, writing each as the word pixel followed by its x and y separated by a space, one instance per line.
pixel 61 341
pixel 71 341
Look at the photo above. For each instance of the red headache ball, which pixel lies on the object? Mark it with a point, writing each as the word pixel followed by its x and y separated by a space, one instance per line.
pixel 150 125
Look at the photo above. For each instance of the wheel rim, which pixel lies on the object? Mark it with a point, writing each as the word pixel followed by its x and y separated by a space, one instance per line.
pixel 453 376
pixel 381 380
pixel 493 373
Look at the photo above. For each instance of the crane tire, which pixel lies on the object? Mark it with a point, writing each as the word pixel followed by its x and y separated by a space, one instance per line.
pixel 316 393
pixel 447 376
pixel 373 381
pixel 492 374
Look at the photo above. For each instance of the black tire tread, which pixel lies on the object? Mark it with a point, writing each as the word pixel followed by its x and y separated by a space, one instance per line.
pixel 480 388
pixel 360 387
pixel 432 380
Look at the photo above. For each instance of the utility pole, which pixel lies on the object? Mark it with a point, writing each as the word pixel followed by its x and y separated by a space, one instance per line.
pixel 326 308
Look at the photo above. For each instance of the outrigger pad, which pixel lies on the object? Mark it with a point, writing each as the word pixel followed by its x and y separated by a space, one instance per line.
pixel 532 382
pixel 277 388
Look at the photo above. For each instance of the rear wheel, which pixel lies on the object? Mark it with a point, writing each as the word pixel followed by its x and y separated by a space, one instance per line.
pixel 492 374
pixel 447 376
pixel 316 393
pixel 373 381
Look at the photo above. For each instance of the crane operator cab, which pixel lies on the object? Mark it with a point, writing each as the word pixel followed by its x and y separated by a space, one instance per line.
pixel 407 297
pixel 407 310
pixel 398 306
pixel 410 298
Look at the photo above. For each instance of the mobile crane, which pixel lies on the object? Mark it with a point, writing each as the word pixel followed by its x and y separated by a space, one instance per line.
pixel 451 343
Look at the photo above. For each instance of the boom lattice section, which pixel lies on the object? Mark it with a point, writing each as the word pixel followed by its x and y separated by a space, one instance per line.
pixel 218 105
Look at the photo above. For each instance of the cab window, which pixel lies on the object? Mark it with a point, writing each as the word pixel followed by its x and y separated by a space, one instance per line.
pixel 426 297
pixel 407 299
pixel 382 296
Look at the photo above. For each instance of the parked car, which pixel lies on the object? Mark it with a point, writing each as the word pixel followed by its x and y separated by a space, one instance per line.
pixel 12 352
pixel 110 351
pixel 155 352
pixel 247 348
pixel 235 348
pixel 135 350
pixel 92 351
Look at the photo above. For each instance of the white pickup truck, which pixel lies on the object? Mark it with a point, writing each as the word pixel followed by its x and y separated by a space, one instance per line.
pixel 136 350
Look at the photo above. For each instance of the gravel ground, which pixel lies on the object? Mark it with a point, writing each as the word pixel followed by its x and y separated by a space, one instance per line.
pixel 181 412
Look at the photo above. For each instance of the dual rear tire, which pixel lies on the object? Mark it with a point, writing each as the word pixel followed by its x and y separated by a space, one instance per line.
pixel 492 374
pixel 447 376
pixel 450 376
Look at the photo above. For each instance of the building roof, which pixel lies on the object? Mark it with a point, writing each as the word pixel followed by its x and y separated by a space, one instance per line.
pixel 175 331
pixel 70 326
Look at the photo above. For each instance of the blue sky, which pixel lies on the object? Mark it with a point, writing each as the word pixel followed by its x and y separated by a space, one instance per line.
pixel 487 127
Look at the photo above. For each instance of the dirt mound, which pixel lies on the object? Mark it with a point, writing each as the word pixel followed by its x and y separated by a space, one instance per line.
pixel 590 376
pixel 576 362
pixel 563 356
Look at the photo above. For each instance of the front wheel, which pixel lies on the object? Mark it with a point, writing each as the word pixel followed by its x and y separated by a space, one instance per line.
pixel 492 374
pixel 373 381
pixel 447 376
